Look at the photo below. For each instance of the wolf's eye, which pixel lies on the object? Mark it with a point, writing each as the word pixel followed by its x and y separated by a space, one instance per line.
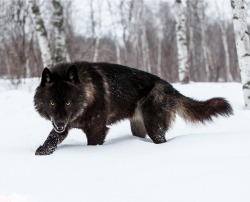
pixel 68 103
pixel 51 103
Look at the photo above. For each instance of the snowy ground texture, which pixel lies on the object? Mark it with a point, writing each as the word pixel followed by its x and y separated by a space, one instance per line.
pixel 198 163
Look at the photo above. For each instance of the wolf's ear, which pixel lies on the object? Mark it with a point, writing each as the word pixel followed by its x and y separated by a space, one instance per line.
pixel 46 77
pixel 72 75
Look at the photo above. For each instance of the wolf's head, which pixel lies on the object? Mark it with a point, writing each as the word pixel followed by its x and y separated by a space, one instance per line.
pixel 59 97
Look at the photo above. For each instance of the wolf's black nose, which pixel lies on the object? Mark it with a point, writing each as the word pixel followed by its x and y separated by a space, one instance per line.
pixel 60 125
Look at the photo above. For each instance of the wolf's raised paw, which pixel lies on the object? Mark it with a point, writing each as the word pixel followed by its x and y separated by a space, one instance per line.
pixel 43 151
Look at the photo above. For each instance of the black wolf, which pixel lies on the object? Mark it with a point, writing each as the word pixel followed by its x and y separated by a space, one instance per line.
pixel 91 96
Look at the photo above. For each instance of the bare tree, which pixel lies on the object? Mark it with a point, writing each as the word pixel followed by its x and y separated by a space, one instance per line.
pixel 144 41
pixel 97 30
pixel 147 32
pixel 242 46
pixel 191 8
pixel 222 25
pixel 61 53
pixel 138 31
pixel 126 9
pixel 114 31
pixel 41 34
pixel 135 28
pixel 204 46
pixel 226 51
pixel 159 38
pixel 15 37
pixel 181 39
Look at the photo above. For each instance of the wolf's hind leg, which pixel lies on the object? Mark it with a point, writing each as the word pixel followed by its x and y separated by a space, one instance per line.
pixel 138 128
pixel 137 124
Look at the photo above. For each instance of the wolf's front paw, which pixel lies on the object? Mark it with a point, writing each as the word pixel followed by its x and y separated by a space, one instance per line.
pixel 44 151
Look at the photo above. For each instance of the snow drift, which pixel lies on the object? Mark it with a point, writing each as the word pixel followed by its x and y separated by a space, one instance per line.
pixel 198 163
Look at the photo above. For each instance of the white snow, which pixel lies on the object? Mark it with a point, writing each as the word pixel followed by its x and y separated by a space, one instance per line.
pixel 197 164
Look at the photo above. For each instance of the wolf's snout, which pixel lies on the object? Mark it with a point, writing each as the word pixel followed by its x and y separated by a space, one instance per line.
pixel 59 126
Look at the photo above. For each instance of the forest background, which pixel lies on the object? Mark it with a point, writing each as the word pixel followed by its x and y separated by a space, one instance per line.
pixel 140 34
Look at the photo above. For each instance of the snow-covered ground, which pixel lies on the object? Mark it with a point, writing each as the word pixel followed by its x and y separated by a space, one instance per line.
pixel 198 163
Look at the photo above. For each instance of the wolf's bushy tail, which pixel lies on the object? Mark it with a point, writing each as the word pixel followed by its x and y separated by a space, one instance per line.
pixel 202 111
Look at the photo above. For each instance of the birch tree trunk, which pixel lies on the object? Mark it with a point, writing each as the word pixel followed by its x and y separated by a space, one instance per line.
pixel 145 48
pixel 180 27
pixel 145 45
pixel 96 51
pixel 41 34
pixel 200 9
pixel 226 51
pixel 192 60
pixel 126 13
pixel 114 28
pixel 27 68
pixel 159 37
pixel 98 33
pixel 242 46
pixel 159 58
pixel 139 38
pixel 135 27
pixel 61 53
pixel 221 22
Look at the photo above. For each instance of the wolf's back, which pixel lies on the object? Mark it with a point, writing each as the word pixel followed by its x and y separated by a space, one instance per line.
pixel 201 111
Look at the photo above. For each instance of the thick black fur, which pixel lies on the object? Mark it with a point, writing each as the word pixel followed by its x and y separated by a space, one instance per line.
pixel 91 96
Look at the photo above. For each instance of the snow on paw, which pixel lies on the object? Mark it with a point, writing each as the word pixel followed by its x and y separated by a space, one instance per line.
pixel 44 151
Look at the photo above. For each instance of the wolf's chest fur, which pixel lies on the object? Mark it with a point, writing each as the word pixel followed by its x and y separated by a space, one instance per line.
pixel 91 96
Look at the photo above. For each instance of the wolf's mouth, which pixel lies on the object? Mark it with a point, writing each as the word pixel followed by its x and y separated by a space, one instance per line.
pixel 59 127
